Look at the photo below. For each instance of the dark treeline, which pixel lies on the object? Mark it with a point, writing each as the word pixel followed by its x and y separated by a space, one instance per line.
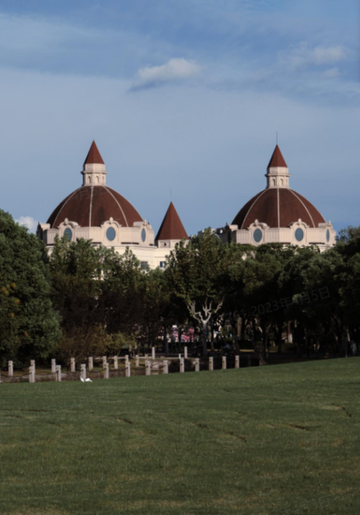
pixel 85 300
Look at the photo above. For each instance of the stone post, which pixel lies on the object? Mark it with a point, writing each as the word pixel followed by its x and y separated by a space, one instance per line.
pixel 165 367
pixel 58 373
pixel 91 364
pixel 127 369
pixel 10 368
pixel 137 360
pixel 106 371
pixel 53 366
pixel 182 365
pixel 104 360
pixel 237 361
pixel 32 364
pixel 148 368
pixel 31 374
pixel 185 352
pixel 223 366
pixel 211 363
pixel 197 365
pixel 72 364
pixel 116 362
pixel 152 352
pixel 83 371
pixel 126 358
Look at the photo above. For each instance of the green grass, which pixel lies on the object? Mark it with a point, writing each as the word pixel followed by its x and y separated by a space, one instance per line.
pixel 266 440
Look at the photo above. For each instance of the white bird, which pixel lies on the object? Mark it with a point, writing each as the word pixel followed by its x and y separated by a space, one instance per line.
pixel 88 380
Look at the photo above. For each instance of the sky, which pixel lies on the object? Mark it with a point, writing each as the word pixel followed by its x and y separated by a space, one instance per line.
pixel 184 99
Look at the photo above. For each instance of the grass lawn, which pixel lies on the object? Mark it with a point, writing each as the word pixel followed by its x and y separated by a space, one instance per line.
pixel 267 440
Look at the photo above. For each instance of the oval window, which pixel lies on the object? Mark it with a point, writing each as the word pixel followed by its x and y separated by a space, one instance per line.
pixel 68 234
pixel 257 235
pixel 328 235
pixel 110 234
pixel 143 235
pixel 299 234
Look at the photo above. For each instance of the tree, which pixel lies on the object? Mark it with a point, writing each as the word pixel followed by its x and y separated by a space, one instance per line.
pixel 197 271
pixel 29 326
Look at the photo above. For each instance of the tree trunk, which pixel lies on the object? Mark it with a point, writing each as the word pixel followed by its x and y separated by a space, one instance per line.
pixel 204 340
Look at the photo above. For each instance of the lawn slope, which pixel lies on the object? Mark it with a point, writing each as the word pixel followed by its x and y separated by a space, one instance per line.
pixel 266 440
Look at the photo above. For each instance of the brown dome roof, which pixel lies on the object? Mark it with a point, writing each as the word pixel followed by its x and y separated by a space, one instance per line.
pixel 90 206
pixel 278 207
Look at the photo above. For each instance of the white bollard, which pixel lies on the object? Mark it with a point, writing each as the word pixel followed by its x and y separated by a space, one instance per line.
pixel 223 366
pixel 104 360
pixel 106 371
pixel 137 360
pixel 148 368
pixel 197 365
pixel 182 365
pixel 58 373
pixel 116 362
pixel 10 368
pixel 32 364
pixel 165 367
pixel 53 366
pixel 72 364
pixel 83 371
pixel 127 369
pixel 153 353
pixel 126 358
pixel 211 363
pixel 237 361
pixel 31 374
pixel 185 352
pixel 91 364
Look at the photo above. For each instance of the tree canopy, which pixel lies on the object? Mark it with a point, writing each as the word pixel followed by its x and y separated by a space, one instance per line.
pixel 29 326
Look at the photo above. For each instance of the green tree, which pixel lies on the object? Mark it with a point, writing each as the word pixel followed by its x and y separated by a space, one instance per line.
pixel 197 272
pixel 29 326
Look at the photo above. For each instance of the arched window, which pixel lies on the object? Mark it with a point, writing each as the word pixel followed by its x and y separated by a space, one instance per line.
pixel 281 182
pixel 274 182
pixel 97 179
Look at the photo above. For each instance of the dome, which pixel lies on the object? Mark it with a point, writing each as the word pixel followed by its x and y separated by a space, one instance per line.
pixel 91 206
pixel 94 203
pixel 278 207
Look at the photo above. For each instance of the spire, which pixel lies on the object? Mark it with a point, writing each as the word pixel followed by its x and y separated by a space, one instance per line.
pixel 277 160
pixel 277 171
pixel 94 156
pixel 171 227
pixel 94 173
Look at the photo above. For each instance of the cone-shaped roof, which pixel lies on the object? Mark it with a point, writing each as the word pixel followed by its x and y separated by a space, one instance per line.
pixel 277 159
pixel 94 156
pixel 171 227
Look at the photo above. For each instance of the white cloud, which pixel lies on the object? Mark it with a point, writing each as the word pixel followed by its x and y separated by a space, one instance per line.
pixel 303 55
pixel 174 70
pixel 27 221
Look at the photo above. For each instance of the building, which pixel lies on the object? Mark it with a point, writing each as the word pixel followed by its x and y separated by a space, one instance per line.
pixel 98 213
pixel 279 214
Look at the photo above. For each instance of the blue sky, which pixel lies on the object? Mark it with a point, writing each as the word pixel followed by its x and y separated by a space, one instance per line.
pixel 183 96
